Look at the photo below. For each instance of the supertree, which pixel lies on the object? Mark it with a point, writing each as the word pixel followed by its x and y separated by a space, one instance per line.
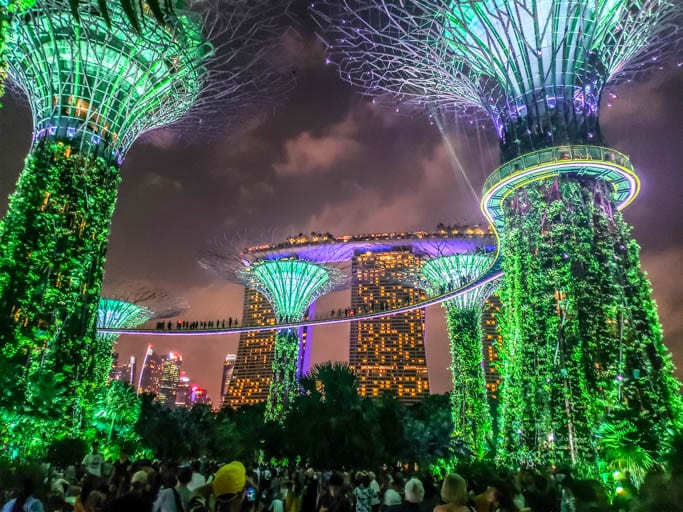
pixel 94 86
pixel 582 343
pixel 444 270
pixel 291 278
pixel 126 305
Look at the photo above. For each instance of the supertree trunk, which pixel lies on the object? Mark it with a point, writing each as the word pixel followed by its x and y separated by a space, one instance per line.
pixel 470 409
pixel 54 241
pixel 582 343
pixel 284 386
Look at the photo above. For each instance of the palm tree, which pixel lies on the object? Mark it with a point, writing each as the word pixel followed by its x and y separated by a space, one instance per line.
pixel 117 404
pixel 621 446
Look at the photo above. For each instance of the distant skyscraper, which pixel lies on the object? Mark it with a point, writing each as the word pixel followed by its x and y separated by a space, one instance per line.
pixel 228 369
pixel 150 373
pixel 198 395
pixel 124 372
pixel 253 367
pixel 170 378
pixel 114 365
pixel 182 398
pixel 387 354
pixel 491 339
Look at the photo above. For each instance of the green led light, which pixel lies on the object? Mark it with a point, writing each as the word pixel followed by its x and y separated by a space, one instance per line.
pixel 104 85
pixel 452 272
pixel 290 285
pixel 114 314
pixel 579 329
pixel 284 386
pixel 472 421
pixel 92 90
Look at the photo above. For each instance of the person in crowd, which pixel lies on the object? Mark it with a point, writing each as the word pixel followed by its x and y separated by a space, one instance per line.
pixel 276 504
pixel 92 462
pixel 391 495
pixel 310 492
pixel 454 495
pixel 168 499
pixel 137 499
pixel 24 501
pixel 224 494
pixel 362 493
pixel 120 475
pixel 88 485
pixel 334 500
pixel 184 477
pixel 198 479
pixel 414 493
pixel 376 492
pixel 539 491
pixel 431 496
pixel 497 496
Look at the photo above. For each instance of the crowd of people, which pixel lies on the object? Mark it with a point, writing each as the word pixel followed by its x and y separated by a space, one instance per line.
pixel 98 485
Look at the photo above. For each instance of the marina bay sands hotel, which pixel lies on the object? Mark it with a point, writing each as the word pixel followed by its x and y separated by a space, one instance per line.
pixel 387 353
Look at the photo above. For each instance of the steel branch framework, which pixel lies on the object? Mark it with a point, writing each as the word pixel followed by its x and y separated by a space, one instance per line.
pixel 537 67
pixel 105 86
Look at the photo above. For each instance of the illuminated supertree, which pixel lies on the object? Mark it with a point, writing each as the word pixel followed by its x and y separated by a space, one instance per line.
pixel 127 305
pixel 291 279
pixel 94 86
pixel 443 270
pixel 582 343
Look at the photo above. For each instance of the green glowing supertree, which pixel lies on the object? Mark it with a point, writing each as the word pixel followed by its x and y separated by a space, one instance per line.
pixel 291 285
pixel 127 305
pixel 440 273
pixel 582 344
pixel 94 86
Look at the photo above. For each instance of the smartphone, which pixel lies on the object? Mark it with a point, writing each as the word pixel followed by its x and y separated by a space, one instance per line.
pixel 250 494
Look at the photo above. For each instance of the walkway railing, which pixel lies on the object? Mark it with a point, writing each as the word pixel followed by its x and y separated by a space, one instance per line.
pixel 556 154
pixel 491 276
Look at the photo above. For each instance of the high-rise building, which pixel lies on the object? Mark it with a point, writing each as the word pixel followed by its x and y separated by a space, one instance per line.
pixel 492 339
pixel 198 396
pixel 182 397
pixel 228 370
pixel 387 353
pixel 124 372
pixel 253 366
pixel 114 364
pixel 150 374
pixel 254 363
pixel 170 377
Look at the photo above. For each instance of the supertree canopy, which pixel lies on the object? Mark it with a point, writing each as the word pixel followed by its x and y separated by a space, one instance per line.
pixel 538 67
pixel 582 345
pixel 291 280
pixel 95 85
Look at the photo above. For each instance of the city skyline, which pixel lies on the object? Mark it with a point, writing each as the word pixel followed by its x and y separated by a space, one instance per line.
pixel 157 239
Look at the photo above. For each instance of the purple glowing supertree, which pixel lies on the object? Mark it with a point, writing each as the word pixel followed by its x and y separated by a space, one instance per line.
pixel 582 345
pixel 291 279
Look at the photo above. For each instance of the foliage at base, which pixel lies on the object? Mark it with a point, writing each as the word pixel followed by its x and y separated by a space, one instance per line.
pixel 582 344
pixel 284 386
pixel 470 409
pixel 53 242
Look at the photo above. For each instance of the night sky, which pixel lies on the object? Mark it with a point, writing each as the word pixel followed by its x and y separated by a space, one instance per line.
pixel 327 159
